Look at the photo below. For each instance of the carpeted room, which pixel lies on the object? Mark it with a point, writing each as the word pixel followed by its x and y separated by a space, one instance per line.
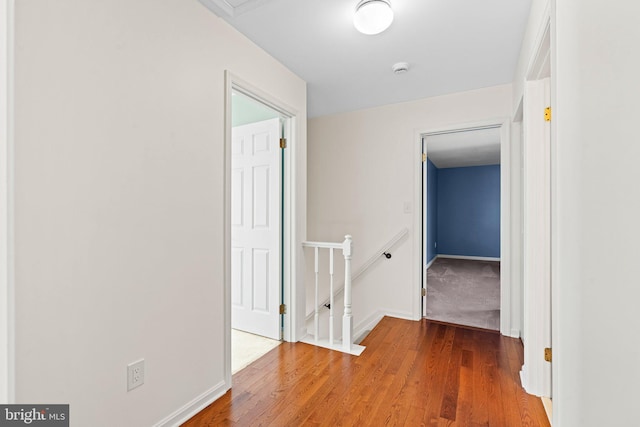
pixel 463 228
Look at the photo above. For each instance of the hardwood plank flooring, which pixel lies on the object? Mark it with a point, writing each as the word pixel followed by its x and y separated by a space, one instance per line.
pixel 412 373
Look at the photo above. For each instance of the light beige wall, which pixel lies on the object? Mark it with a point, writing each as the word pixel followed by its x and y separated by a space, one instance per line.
pixel 119 200
pixel 361 171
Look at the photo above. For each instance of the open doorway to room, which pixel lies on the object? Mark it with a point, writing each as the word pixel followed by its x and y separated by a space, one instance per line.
pixel 462 220
pixel 257 227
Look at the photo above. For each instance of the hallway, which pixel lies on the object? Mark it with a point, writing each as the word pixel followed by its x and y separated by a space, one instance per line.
pixel 411 373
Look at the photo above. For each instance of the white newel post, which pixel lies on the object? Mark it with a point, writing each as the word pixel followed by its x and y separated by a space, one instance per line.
pixel 347 321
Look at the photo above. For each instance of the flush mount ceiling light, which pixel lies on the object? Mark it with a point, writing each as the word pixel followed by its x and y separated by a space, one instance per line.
pixel 400 67
pixel 373 16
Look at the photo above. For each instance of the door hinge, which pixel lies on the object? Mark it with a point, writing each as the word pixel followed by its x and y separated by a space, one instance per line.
pixel 283 142
pixel 424 292
pixel 547 114
pixel 547 354
pixel 424 157
pixel 283 309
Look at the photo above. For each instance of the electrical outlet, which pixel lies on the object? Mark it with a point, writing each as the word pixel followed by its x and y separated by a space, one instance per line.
pixel 135 374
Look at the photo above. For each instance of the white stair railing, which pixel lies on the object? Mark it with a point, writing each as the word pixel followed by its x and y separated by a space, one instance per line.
pixel 347 344
pixel 375 257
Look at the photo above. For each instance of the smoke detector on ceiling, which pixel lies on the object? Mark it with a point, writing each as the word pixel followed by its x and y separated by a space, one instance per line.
pixel 400 67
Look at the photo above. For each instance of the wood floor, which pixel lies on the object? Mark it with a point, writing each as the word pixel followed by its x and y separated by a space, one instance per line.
pixel 411 373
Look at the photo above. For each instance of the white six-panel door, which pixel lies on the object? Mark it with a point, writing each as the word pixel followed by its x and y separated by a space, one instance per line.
pixel 255 228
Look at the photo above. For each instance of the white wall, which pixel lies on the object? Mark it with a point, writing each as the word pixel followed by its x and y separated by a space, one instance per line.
pixel 361 173
pixel 596 285
pixel 119 200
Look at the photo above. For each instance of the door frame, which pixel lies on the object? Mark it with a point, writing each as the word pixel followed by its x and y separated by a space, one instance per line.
pixel 288 249
pixel 536 374
pixel 7 299
pixel 508 310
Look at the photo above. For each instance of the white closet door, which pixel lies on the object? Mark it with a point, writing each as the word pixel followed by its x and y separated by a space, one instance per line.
pixel 255 228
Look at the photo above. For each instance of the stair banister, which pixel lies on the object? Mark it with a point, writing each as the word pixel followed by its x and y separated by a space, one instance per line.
pixel 347 344
pixel 339 288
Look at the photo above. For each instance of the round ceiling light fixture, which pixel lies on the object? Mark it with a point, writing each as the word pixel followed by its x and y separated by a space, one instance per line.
pixel 400 67
pixel 373 16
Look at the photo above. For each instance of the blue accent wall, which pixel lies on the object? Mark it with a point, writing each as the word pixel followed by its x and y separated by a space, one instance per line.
pixel 468 206
pixel 432 210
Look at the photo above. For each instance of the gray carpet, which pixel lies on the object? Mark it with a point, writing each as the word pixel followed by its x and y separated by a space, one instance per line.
pixel 464 292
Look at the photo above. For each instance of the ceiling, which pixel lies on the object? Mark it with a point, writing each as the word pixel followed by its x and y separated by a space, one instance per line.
pixel 450 45
pixel 466 148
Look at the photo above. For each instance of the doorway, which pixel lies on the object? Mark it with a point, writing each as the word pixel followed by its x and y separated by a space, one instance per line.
pixel 285 216
pixel 499 127
pixel 257 226
pixel 462 226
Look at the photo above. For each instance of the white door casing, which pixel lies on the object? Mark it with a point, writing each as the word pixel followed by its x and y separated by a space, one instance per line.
pixel 7 324
pixel 255 228
pixel 536 372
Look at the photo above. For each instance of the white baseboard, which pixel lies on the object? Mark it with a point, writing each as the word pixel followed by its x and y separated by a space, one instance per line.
pixel 431 262
pixel 370 322
pixel 515 333
pixel 367 324
pixel 523 379
pixel 196 405
pixel 472 258
pixel 397 315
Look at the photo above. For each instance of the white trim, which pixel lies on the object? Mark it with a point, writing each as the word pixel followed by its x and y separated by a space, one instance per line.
pixel 536 374
pixel 540 55
pixel 192 408
pixel 223 8
pixel 7 302
pixel 291 256
pixel 557 304
pixel 516 227
pixel 430 263
pixel 537 243
pixel 368 324
pixel 419 256
pixel 506 308
pixel 471 258
pixel 371 321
